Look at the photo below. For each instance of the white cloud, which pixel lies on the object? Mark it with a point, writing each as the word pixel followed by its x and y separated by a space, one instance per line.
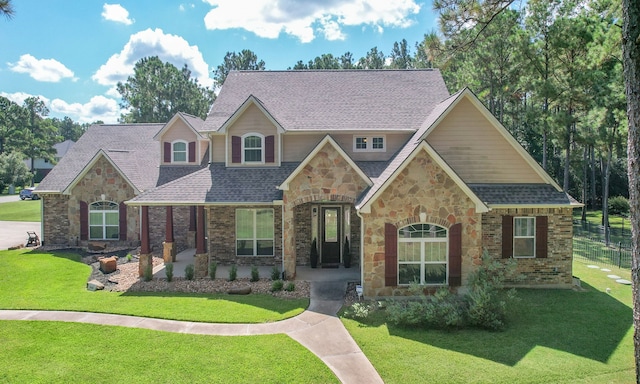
pixel 20 97
pixel 302 18
pixel 169 48
pixel 117 13
pixel 183 7
pixel 49 70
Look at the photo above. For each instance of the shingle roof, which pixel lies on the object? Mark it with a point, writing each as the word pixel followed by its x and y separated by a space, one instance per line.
pixel 130 146
pixel 520 194
pixel 334 100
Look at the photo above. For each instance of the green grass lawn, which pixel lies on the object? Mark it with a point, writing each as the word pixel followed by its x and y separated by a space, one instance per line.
pixel 56 352
pixel 57 281
pixel 554 336
pixel 23 210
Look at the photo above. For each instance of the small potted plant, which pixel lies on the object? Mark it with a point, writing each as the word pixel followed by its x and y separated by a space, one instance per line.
pixel 314 254
pixel 346 256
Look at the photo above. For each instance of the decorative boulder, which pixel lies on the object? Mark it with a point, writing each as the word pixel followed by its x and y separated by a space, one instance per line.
pixel 108 264
pixel 240 291
pixel 95 285
pixel 97 246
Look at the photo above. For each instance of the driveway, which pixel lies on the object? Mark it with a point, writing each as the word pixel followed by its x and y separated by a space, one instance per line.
pixel 6 199
pixel 14 233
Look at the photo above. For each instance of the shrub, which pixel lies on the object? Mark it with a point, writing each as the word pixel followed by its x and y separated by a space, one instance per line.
pixel 213 267
pixel 189 272
pixel 255 274
pixel 618 205
pixel 233 273
pixel 148 272
pixel 277 285
pixel 290 287
pixel 275 273
pixel 358 311
pixel 168 269
pixel 129 257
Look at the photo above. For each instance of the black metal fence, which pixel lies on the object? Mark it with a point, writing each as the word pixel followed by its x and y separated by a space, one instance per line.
pixel 595 250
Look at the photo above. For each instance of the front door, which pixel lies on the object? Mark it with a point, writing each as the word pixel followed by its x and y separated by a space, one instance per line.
pixel 331 235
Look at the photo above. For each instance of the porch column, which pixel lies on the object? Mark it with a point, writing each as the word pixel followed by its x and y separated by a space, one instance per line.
pixel 202 257
pixel 145 258
pixel 289 248
pixel 169 249
pixel 191 235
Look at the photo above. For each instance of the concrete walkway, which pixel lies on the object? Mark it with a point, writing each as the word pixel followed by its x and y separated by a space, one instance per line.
pixel 317 329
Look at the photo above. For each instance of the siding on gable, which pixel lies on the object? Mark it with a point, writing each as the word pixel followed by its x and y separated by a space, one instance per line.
pixel 476 151
pixel 179 131
pixel 252 120
pixel 218 148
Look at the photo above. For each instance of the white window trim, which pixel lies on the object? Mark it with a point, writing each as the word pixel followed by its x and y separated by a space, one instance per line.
pixel 513 246
pixel 422 255
pixel 370 143
pixel 186 151
pixel 255 239
pixel 262 148
pixel 103 226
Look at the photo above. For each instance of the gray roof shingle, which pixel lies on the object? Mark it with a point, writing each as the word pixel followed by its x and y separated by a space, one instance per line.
pixel 520 194
pixel 334 100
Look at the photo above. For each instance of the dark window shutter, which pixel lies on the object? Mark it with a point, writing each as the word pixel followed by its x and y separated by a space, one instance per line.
pixel 236 149
pixel 542 226
pixel 192 151
pixel 84 220
pixel 507 237
pixel 390 255
pixel 269 144
pixel 455 255
pixel 122 221
pixel 167 152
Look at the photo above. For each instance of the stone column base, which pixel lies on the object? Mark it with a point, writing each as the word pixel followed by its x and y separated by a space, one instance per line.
pixel 143 261
pixel 201 266
pixel 191 239
pixel 289 270
pixel 168 252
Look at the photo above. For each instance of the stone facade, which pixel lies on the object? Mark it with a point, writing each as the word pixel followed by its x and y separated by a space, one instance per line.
pixel 421 193
pixel 328 177
pixel 554 271
pixel 56 220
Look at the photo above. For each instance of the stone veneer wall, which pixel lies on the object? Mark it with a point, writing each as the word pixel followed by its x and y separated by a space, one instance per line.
pixel 327 177
pixel 421 188
pixel 222 237
pixel 553 271
pixel 56 220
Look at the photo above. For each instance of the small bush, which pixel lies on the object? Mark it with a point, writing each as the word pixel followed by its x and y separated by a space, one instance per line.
pixel 290 287
pixel 618 205
pixel 168 269
pixel 148 272
pixel 213 267
pixel 275 273
pixel 129 257
pixel 189 272
pixel 233 273
pixel 277 285
pixel 358 311
pixel 255 274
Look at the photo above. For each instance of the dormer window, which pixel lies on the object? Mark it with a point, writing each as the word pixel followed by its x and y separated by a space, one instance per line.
pixel 253 148
pixel 179 152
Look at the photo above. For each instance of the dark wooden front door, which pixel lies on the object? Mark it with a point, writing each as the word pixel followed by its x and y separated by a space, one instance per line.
pixel 331 235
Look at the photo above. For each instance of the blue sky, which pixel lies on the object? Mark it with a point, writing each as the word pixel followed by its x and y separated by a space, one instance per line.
pixel 71 54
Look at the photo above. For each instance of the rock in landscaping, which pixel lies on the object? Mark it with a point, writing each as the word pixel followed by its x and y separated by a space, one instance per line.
pixel 240 291
pixel 108 264
pixel 95 285
pixel 97 246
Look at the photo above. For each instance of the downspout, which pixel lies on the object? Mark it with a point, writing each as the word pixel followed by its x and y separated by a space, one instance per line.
pixel 361 248
pixel 282 239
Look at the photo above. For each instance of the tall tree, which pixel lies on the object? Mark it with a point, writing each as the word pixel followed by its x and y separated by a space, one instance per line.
pixel 6 8
pixel 373 60
pixel 157 91
pixel 12 117
pixel 401 56
pixel 245 60
pixel 68 129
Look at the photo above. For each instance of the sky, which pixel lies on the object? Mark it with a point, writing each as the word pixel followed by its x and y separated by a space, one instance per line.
pixel 71 54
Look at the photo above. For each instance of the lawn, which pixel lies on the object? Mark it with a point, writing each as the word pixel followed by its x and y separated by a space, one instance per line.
pixel 57 281
pixel 56 352
pixel 554 336
pixel 23 210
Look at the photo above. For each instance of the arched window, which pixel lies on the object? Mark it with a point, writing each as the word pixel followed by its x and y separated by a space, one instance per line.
pixel 423 254
pixel 253 148
pixel 179 152
pixel 103 220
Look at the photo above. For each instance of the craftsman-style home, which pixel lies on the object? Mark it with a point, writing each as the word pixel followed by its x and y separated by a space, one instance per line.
pixel 384 168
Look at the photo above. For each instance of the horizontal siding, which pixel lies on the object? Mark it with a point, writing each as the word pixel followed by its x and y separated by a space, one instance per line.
pixel 297 146
pixel 178 131
pixel 253 121
pixel 478 153
pixel 218 148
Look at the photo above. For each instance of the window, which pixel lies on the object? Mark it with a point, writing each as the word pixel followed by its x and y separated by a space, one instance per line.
pixel 254 232
pixel 370 144
pixel 422 254
pixel 179 152
pixel 103 220
pixel 252 146
pixel 524 236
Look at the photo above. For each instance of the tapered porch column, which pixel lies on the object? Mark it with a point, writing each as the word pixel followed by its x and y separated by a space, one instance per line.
pixel 169 249
pixel 145 258
pixel 202 257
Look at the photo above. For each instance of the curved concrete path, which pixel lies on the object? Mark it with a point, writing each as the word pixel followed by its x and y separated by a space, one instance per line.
pixel 317 329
